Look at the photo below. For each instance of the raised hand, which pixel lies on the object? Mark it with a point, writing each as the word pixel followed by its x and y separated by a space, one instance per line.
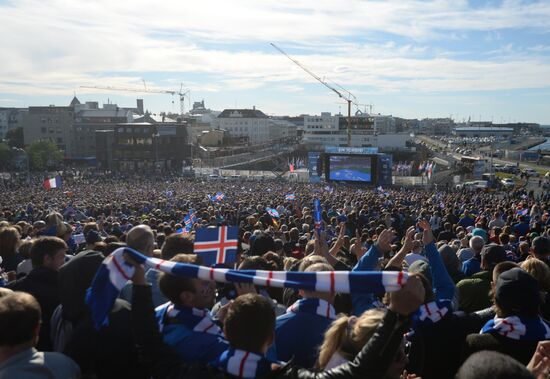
pixel 409 237
pixel 427 235
pixel 539 365
pixel 383 243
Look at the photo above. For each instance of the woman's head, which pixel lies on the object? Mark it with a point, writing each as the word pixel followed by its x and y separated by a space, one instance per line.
pixel 9 241
pixel 347 336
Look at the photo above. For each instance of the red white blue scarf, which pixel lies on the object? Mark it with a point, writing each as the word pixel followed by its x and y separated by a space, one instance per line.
pixel 195 319
pixel 314 306
pixel 115 272
pixel 431 313
pixel 243 364
pixel 519 328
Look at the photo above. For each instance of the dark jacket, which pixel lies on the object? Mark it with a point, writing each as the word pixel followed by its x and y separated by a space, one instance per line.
pixel 518 349
pixel 42 284
pixel 106 353
pixel 473 292
pixel 372 362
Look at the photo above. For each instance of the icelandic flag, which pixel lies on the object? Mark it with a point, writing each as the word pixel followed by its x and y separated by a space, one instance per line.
pixel 290 197
pixel 218 196
pixel 272 212
pixel 317 215
pixel 52 183
pixel 217 245
pixel 522 212
pixel 189 220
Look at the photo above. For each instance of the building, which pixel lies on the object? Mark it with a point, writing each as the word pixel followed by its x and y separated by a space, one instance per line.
pixel 51 123
pixel 144 147
pixel 474 131
pixel 89 118
pixel 282 130
pixel 213 138
pixel 11 118
pixel 366 131
pixel 246 124
pixel 436 126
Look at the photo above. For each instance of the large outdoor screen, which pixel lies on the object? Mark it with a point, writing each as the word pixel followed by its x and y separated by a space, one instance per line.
pixel 357 168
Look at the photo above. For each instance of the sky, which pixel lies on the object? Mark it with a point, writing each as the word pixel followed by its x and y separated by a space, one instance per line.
pixel 483 60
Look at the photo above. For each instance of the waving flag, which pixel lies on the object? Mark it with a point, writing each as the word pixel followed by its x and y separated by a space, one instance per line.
pixel 290 197
pixel 189 220
pixel 52 183
pixel 219 196
pixel 272 212
pixel 317 215
pixel 217 245
pixel 114 273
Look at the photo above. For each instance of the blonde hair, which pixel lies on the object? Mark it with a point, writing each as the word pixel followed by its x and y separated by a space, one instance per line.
pixel 289 262
pixel 348 334
pixel 539 270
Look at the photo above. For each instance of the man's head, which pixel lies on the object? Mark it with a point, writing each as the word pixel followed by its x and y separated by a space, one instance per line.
pixel 48 252
pixel 540 248
pixel 194 293
pixel 476 244
pixel 491 255
pixel 142 239
pixel 250 323
pixel 19 320
pixel 516 294
pixel 176 244
pixel 492 365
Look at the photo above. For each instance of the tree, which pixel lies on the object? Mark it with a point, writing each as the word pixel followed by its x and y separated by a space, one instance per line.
pixel 6 156
pixel 15 137
pixel 43 154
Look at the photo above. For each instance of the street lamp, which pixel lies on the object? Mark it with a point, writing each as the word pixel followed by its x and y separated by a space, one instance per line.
pixel 22 151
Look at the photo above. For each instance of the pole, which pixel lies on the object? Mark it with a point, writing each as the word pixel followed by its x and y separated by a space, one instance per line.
pixel 349 122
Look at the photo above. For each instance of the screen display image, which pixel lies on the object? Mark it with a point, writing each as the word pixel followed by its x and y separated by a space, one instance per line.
pixel 349 167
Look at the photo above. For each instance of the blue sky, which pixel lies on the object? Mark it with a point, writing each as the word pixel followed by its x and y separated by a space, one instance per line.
pixel 486 60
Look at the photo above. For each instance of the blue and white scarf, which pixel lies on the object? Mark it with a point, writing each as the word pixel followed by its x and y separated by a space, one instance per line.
pixel 115 272
pixel 243 364
pixel 431 313
pixel 518 328
pixel 315 306
pixel 195 319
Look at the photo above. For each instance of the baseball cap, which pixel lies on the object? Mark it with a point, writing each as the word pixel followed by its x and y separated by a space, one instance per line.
pixel 517 292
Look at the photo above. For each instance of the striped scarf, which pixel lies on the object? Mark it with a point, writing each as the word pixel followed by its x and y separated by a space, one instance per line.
pixel 195 319
pixel 314 306
pixel 518 328
pixel 243 364
pixel 115 272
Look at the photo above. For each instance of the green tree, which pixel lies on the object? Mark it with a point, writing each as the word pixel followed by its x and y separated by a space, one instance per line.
pixel 6 156
pixel 15 137
pixel 43 154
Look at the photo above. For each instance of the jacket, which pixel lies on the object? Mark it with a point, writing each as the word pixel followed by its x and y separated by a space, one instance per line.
pixel 42 284
pixel 520 350
pixel 473 292
pixel 372 362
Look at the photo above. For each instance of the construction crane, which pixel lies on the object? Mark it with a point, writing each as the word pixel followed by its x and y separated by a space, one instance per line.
pixel 181 94
pixel 348 98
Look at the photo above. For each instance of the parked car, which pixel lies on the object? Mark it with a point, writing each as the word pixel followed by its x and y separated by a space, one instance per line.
pixel 531 172
pixel 476 184
pixel 508 183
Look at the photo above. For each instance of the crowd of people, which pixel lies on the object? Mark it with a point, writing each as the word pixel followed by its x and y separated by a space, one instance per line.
pixel 474 303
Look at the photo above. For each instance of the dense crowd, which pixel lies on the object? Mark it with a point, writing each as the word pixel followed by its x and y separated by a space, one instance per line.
pixel 474 303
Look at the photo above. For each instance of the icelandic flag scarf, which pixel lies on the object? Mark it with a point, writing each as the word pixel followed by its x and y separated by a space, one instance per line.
pixel 115 272
pixel 315 306
pixel 195 319
pixel 518 328
pixel 243 364
pixel 431 313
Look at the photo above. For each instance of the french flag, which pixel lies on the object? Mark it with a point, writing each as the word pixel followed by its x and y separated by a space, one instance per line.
pixel 52 183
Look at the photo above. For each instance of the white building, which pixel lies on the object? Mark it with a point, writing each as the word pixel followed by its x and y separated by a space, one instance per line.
pixel 251 124
pixel 282 130
pixel 366 131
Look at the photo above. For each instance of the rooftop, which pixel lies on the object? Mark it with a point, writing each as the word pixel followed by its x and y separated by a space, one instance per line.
pixel 242 113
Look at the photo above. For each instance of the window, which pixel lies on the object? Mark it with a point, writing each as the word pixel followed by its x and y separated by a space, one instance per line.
pixel 43 129
pixel 59 140
pixel 50 130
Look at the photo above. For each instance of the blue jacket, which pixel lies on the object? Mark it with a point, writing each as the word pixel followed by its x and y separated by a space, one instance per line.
pixel 471 266
pixel 442 283
pixel 368 262
pixel 299 335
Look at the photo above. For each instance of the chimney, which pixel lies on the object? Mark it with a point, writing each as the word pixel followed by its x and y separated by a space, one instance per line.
pixel 253 107
pixel 140 106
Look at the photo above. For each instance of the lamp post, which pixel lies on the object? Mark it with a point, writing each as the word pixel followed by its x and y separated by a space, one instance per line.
pixel 22 151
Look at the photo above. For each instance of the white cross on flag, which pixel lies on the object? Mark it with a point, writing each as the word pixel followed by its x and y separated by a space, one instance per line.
pixel 217 245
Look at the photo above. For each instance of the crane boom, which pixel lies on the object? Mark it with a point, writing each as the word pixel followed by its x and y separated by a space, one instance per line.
pixel 348 99
pixel 110 88
pixel 308 71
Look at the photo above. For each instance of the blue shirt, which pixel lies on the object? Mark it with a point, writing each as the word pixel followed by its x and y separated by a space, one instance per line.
pixel 471 266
